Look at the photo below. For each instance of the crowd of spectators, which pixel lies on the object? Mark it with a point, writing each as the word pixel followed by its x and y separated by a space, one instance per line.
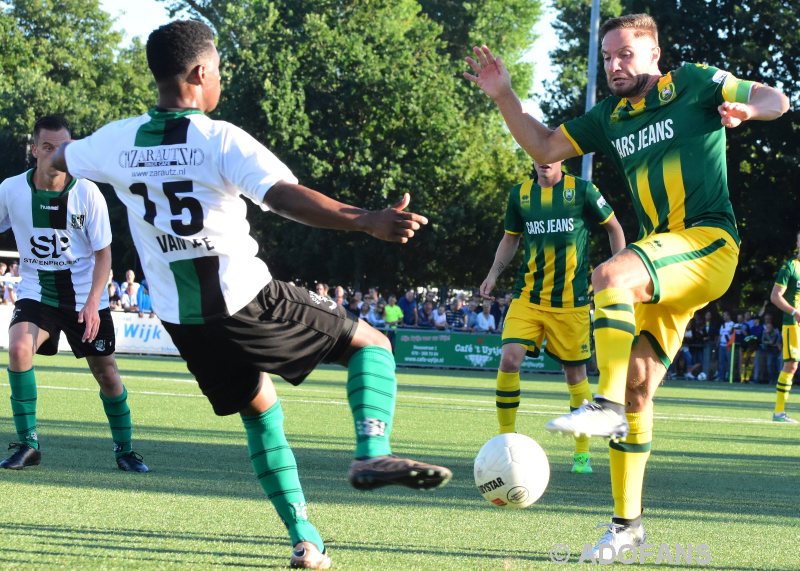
pixel 423 310
pixel 746 349
pixel 716 347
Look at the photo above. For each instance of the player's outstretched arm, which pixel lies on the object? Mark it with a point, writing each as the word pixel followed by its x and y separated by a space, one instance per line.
pixel 89 313
pixel 505 253
pixel 766 103
pixel 543 144
pixel 307 206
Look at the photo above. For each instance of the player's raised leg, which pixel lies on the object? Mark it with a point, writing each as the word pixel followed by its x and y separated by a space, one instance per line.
pixel 24 338
pixel 371 392
pixel 619 283
pixel 114 396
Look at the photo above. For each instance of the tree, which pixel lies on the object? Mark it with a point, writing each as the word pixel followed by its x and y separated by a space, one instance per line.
pixel 756 39
pixel 364 100
pixel 63 57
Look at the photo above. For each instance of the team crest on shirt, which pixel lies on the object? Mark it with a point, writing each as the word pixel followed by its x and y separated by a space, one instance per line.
pixel 569 195
pixel 667 93
pixel 77 221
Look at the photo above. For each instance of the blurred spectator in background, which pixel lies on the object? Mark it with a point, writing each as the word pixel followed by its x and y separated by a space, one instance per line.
pixel 364 312
pixel 374 296
pixel 440 317
pixel 708 335
pixel 456 318
pixel 359 297
pixel 321 289
pixel 352 307
pixel 408 305
pixel 111 280
pixel 339 296
pixel 472 314
pixel 771 349
pixel 143 302
pixel 426 316
pixel 10 287
pixel 394 317
pixel 114 300
pixel 377 316
pixel 128 299
pixel 726 334
pixel 130 279
pixel 484 321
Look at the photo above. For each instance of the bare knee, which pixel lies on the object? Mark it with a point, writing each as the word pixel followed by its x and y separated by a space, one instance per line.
pixel 20 355
pixel 106 374
pixel 790 367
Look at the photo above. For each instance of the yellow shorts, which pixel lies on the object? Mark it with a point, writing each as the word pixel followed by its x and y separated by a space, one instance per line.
pixel 791 342
pixel 689 268
pixel 566 332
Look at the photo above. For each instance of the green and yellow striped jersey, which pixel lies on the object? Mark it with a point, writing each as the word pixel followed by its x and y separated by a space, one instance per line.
pixel 670 147
pixel 789 277
pixel 553 220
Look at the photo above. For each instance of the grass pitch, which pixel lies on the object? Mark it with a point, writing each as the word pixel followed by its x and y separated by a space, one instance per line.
pixel 721 474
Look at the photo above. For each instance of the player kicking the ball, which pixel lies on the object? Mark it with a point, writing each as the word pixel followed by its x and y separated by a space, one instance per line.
pixel 232 322
pixel 63 236
pixel 666 136
pixel 551 298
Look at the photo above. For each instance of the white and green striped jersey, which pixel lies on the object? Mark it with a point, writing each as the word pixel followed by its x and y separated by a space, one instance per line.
pixel 57 234
pixel 181 176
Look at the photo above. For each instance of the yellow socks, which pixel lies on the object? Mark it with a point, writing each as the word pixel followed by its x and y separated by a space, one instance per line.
pixel 507 402
pixel 614 328
pixel 628 459
pixel 782 391
pixel 577 394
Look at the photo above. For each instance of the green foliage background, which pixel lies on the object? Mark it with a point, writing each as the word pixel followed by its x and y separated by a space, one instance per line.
pixel 364 100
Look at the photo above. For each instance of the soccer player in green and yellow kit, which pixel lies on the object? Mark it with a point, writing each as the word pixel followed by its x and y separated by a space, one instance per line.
pixel 786 297
pixel 551 298
pixel 665 134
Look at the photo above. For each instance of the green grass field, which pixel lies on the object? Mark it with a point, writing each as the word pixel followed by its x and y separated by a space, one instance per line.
pixel 721 474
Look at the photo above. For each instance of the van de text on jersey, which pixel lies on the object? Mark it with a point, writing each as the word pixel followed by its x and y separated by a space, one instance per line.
pixel 169 243
pixel 550 226
pixel 646 136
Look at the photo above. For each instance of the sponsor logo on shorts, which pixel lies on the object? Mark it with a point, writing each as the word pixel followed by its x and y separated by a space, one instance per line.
pixel 321 299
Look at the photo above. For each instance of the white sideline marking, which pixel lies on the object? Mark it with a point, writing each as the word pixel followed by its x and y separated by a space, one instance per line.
pixel 542 410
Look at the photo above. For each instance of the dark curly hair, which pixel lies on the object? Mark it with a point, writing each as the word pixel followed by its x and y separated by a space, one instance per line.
pixel 174 48
pixel 49 123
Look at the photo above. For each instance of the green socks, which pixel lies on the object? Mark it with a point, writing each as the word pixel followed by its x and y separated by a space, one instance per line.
pixel 23 405
pixel 276 470
pixel 371 390
pixel 119 419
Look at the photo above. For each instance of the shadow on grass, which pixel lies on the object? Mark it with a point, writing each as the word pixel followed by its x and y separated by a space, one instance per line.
pixel 713 481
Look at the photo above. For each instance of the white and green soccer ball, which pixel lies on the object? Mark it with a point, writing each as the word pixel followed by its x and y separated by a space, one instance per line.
pixel 512 471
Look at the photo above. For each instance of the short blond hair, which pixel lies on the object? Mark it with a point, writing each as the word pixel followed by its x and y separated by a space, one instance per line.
pixel 644 24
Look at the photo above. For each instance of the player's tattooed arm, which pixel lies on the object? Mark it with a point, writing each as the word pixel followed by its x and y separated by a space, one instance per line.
pixel 502 258
pixel 307 206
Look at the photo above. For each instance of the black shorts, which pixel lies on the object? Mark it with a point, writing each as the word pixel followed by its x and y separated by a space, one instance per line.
pixel 55 320
pixel 286 330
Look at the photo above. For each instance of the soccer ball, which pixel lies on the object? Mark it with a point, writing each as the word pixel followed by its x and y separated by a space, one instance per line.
pixel 701 376
pixel 511 471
